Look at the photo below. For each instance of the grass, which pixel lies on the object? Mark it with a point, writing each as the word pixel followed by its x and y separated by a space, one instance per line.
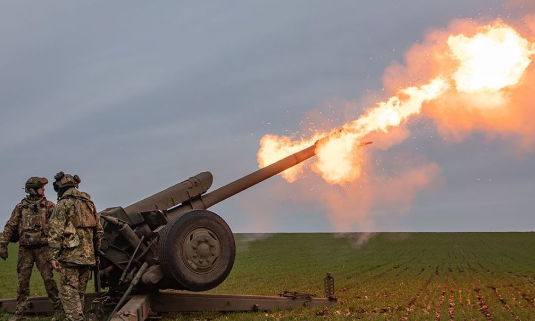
pixel 394 276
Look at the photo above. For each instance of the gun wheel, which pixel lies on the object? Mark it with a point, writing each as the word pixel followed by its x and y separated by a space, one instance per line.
pixel 201 249
pixel 197 250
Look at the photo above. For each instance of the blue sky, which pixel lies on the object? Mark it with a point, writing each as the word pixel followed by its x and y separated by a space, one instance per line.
pixel 135 97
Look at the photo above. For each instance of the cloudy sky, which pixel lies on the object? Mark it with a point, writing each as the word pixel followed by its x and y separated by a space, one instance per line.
pixel 135 97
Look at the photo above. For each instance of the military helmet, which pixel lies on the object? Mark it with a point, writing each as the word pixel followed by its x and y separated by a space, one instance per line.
pixel 34 183
pixel 65 180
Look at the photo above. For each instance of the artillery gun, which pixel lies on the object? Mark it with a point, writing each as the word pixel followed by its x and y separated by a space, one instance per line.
pixel 185 246
pixel 171 241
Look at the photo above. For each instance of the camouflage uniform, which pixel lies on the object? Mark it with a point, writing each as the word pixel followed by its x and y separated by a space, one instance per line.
pixel 75 234
pixel 29 220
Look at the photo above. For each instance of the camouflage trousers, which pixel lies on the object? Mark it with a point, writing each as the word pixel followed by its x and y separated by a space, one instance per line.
pixel 27 257
pixel 73 284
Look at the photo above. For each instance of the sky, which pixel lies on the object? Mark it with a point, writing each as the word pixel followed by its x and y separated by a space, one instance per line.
pixel 137 96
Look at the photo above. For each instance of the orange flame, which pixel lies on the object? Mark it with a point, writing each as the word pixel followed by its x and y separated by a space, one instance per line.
pixel 491 60
pixel 337 155
pixel 486 64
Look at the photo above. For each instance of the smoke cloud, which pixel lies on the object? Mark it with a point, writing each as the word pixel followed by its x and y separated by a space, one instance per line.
pixel 386 188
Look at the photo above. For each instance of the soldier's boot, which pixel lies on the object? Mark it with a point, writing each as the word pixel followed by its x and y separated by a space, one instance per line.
pixel 20 311
pixel 18 317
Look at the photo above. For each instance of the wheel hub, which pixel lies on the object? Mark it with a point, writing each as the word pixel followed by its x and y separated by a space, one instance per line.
pixel 201 248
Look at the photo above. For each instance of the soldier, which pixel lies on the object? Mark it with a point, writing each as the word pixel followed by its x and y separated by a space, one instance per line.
pixel 75 234
pixel 29 225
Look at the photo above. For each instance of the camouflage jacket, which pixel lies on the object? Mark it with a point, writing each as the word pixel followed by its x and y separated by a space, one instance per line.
pixel 75 230
pixel 29 220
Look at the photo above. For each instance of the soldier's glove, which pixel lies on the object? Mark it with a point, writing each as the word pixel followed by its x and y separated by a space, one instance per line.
pixel 3 252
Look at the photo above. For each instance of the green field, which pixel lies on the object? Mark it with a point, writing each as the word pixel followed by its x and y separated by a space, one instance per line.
pixel 394 276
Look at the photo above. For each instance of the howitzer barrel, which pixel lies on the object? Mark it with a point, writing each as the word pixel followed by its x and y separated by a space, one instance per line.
pixel 190 193
pixel 260 175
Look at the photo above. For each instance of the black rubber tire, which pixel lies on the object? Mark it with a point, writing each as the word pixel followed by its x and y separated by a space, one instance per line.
pixel 173 256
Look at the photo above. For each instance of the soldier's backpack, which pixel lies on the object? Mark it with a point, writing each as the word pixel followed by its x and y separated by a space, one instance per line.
pixel 86 218
pixel 87 213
